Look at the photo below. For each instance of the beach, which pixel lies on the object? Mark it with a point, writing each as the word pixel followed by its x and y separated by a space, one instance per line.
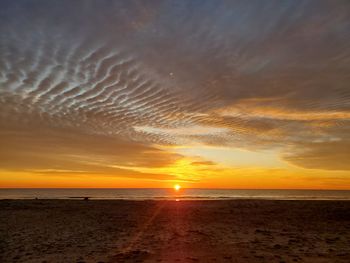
pixel 174 231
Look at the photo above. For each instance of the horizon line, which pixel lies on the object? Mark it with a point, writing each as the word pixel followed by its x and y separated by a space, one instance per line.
pixel 183 188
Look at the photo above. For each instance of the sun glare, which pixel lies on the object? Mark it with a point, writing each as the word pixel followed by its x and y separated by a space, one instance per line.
pixel 177 187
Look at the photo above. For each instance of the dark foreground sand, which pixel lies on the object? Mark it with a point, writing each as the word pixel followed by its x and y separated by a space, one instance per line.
pixel 169 231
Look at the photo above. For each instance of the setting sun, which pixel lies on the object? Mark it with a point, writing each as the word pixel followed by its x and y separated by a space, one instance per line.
pixel 177 187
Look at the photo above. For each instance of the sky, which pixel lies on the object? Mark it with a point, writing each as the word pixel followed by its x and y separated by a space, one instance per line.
pixel 208 94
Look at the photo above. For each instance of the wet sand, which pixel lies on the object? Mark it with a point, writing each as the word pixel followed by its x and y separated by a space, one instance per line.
pixel 169 231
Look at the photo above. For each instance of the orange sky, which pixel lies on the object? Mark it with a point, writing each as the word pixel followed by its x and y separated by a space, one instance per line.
pixel 187 173
pixel 150 94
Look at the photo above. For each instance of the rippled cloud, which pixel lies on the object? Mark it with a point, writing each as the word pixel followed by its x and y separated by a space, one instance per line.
pixel 102 86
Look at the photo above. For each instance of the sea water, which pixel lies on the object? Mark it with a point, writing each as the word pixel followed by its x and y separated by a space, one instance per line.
pixel 171 194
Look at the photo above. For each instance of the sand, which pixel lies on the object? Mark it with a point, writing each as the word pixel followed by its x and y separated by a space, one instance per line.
pixel 169 231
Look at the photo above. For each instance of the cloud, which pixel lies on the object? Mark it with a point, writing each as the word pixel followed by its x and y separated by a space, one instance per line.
pixel 43 148
pixel 204 163
pixel 90 85
pixel 321 155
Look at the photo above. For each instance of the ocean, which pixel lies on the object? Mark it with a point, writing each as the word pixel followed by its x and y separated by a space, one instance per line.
pixel 170 194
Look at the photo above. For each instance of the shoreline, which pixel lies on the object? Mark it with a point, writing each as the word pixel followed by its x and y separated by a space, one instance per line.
pixel 175 199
